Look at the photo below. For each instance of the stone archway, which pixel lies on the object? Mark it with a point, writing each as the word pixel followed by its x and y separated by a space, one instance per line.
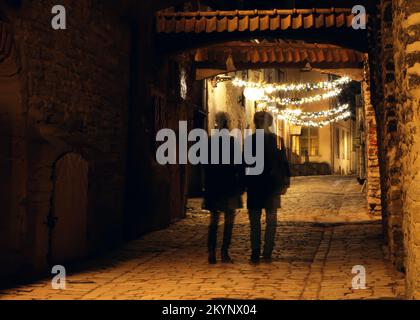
pixel 178 31
pixel 235 56
pixel 69 208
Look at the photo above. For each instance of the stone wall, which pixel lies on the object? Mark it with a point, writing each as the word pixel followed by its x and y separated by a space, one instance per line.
pixel 372 161
pixel 406 19
pixel 98 89
pixel 381 58
pixel 74 88
pixel 156 194
pixel 391 181
pixel 13 171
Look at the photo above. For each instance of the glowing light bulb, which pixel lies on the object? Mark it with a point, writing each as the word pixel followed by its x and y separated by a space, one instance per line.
pixel 254 94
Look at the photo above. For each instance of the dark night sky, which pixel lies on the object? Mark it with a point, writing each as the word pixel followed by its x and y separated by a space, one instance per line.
pixel 272 4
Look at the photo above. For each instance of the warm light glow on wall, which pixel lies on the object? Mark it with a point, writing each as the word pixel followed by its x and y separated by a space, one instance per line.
pixel 254 94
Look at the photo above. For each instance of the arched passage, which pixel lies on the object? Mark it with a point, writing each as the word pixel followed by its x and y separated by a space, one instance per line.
pixel 279 53
pixel 401 127
pixel 177 31
pixel 175 42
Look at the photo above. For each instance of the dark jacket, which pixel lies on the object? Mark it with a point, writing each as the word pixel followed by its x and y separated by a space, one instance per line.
pixel 264 191
pixel 223 182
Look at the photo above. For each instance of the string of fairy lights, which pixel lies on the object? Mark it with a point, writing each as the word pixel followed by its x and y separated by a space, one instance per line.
pixel 314 115
pixel 315 119
pixel 271 88
pixel 304 100
pixel 263 93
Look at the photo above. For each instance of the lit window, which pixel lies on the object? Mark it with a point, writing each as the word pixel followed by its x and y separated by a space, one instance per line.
pixel 309 142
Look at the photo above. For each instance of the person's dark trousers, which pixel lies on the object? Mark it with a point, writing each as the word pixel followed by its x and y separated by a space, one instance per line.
pixel 270 231
pixel 227 236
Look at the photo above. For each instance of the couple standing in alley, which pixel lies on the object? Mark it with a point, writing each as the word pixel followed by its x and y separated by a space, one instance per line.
pixel 225 184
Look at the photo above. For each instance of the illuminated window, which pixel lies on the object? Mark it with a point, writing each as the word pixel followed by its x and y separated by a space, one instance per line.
pixel 309 142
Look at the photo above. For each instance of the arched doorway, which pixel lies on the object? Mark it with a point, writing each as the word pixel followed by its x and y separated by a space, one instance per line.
pixel 68 236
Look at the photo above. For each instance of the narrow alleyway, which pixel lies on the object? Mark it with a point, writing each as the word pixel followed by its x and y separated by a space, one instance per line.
pixel 324 231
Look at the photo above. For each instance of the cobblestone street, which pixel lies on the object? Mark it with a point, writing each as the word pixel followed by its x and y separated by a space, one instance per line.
pixel 324 231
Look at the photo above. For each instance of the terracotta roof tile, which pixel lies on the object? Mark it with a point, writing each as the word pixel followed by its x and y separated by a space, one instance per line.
pixel 253 20
pixel 268 52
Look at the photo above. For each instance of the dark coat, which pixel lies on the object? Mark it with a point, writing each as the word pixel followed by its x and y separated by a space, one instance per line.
pixel 264 191
pixel 223 182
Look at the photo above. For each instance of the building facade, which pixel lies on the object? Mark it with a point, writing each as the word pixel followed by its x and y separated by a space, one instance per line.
pixel 312 151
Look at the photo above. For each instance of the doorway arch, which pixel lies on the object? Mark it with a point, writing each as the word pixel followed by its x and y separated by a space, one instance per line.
pixel 69 208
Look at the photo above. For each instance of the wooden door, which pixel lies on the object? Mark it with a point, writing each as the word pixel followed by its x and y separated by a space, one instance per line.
pixel 70 202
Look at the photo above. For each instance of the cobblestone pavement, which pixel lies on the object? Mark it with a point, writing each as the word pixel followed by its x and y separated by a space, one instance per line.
pixel 324 230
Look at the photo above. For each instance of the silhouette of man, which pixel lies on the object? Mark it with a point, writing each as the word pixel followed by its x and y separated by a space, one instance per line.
pixel 222 191
pixel 264 191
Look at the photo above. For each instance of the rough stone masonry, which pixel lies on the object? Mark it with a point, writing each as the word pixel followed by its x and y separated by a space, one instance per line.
pixel 407 70
pixel 72 95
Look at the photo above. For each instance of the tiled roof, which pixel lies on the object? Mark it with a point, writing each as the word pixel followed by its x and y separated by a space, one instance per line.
pixel 286 52
pixel 6 42
pixel 255 20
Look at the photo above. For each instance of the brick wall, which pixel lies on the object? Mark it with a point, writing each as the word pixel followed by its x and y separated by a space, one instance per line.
pixel 406 37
